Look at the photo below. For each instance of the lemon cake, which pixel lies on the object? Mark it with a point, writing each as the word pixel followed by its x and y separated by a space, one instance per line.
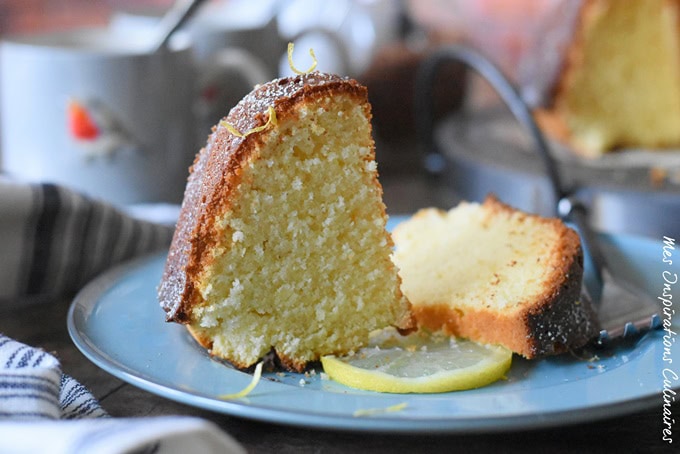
pixel 495 275
pixel 281 242
pixel 620 82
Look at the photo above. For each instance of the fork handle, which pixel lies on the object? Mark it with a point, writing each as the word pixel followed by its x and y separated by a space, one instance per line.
pixel 571 209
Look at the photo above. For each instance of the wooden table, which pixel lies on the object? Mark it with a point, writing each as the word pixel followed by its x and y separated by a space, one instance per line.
pixel 44 326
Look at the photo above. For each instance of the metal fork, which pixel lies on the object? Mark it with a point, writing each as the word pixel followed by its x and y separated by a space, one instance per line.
pixel 623 310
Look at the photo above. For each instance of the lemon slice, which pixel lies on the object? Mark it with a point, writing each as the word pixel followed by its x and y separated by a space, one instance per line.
pixel 419 363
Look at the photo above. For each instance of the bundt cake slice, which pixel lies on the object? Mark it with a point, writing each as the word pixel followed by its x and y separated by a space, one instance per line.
pixel 620 84
pixel 496 275
pixel 281 240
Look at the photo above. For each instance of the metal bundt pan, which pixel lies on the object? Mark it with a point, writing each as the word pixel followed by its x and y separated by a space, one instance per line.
pixel 628 191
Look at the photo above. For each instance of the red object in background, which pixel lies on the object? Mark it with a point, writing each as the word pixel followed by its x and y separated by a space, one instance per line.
pixel 210 93
pixel 80 122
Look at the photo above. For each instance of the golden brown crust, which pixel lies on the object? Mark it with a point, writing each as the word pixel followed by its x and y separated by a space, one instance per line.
pixel 548 326
pixel 217 170
pixel 553 124
pixel 552 323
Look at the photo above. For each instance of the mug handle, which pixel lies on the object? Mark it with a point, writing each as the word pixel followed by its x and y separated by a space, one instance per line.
pixel 230 74
pixel 232 59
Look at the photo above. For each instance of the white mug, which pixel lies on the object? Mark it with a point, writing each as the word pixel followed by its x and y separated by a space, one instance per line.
pixel 231 53
pixel 99 111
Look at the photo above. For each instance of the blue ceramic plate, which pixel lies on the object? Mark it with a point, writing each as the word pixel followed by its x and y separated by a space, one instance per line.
pixel 117 323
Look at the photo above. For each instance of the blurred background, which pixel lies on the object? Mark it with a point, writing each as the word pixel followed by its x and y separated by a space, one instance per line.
pixel 379 42
pixel 451 137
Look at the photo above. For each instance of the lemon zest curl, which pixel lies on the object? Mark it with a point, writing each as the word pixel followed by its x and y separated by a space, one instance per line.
pixel 271 121
pixel 245 391
pixel 292 66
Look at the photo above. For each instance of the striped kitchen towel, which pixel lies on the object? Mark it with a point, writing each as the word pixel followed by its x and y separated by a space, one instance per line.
pixel 32 386
pixel 43 410
pixel 53 240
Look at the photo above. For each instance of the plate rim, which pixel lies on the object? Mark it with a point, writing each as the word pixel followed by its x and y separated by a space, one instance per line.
pixel 90 296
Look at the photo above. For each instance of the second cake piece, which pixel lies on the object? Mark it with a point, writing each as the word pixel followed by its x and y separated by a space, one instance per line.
pixel 496 275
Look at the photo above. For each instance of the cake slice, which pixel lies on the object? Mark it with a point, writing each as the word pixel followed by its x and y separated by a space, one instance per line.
pixel 496 275
pixel 620 84
pixel 281 241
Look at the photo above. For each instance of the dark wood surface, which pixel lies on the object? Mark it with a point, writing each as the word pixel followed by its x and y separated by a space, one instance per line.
pixel 44 325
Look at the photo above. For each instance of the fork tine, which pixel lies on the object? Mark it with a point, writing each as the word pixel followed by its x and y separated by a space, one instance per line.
pixel 630 330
